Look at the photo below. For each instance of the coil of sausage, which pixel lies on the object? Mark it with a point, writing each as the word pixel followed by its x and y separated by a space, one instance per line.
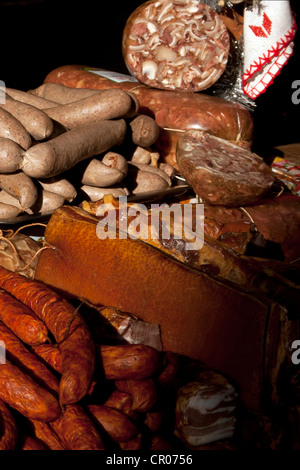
pixel 180 45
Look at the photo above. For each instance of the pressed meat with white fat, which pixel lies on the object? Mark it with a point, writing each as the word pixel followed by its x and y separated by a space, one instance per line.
pixel 220 172
pixel 180 45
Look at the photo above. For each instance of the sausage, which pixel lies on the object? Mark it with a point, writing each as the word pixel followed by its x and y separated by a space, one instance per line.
pixel 144 130
pixel 31 443
pixel 47 202
pixel 22 393
pixel 141 180
pixel 76 430
pixel 153 170
pixel 8 428
pixel 43 431
pixel 95 194
pixel 106 104
pixel 19 355
pixel 136 443
pixel 8 211
pixel 128 361
pixel 11 128
pixel 57 155
pixel 121 401
pixel 100 174
pixel 118 426
pixel 116 161
pixel 50 354
pixel 220 172
pixel 21 320
pixel 175 45
pixel 61 94
pixel 61 186
pixel 30 98
pixel 170 369
pixel 11 155
pixel 144 392
pixel 20 186
pixel 37 123
pixel 173 112
pixel 68 328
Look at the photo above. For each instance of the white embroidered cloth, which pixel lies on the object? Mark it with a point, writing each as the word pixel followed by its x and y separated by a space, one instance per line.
pixel 269 31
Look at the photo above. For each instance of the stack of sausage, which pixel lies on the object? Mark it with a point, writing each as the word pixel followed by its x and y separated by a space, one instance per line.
pixel 53 152
pixel 61 389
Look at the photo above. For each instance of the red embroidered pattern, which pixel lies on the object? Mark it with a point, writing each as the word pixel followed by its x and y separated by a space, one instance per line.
pixel 274 51
pixel 265 30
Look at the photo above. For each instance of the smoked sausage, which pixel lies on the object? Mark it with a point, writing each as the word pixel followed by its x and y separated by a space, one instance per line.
pixel 8 428
pixel 21 319
pixel 21 392
pixel 68 328
pixel 76 430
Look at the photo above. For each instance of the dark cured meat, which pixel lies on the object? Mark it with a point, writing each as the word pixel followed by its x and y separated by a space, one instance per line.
pixel 21 320
pixel 17 352
pixel 222 173
pixel 8 428
pixel 76 430
pixel 66 325
pixel 21 392
pixel 175 45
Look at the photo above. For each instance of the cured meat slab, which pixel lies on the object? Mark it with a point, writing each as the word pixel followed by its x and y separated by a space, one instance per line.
pixel 220 172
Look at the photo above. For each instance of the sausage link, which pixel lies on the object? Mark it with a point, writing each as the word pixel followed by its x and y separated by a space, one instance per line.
pixel 20 186
pixel 21 392
pixel 106 104
pixel 128 361
pixel 8 428
pixel 22 320
pixel 31 443
pixel 61 94
pixel 19 355
pixel 68 328
pixel 8 211
pixel 37 123
pixel 11 128
pixel 46 435
pixel 50 354
pixel 121 401
pixel 63 152
pixel 76 430
pixel 29 98
pixel 118 426
pixel 11 155
pixel 144 393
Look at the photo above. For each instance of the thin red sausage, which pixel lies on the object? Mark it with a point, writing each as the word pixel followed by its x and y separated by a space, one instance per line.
pixel 21 392
pixel 8 428
pixel 22 320
pixel 68 328
pixel 19 355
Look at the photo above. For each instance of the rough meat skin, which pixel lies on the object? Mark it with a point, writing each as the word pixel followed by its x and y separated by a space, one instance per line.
pixel 222 173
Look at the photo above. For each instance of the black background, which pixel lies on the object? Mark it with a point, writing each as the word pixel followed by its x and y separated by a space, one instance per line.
pixel 38 36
